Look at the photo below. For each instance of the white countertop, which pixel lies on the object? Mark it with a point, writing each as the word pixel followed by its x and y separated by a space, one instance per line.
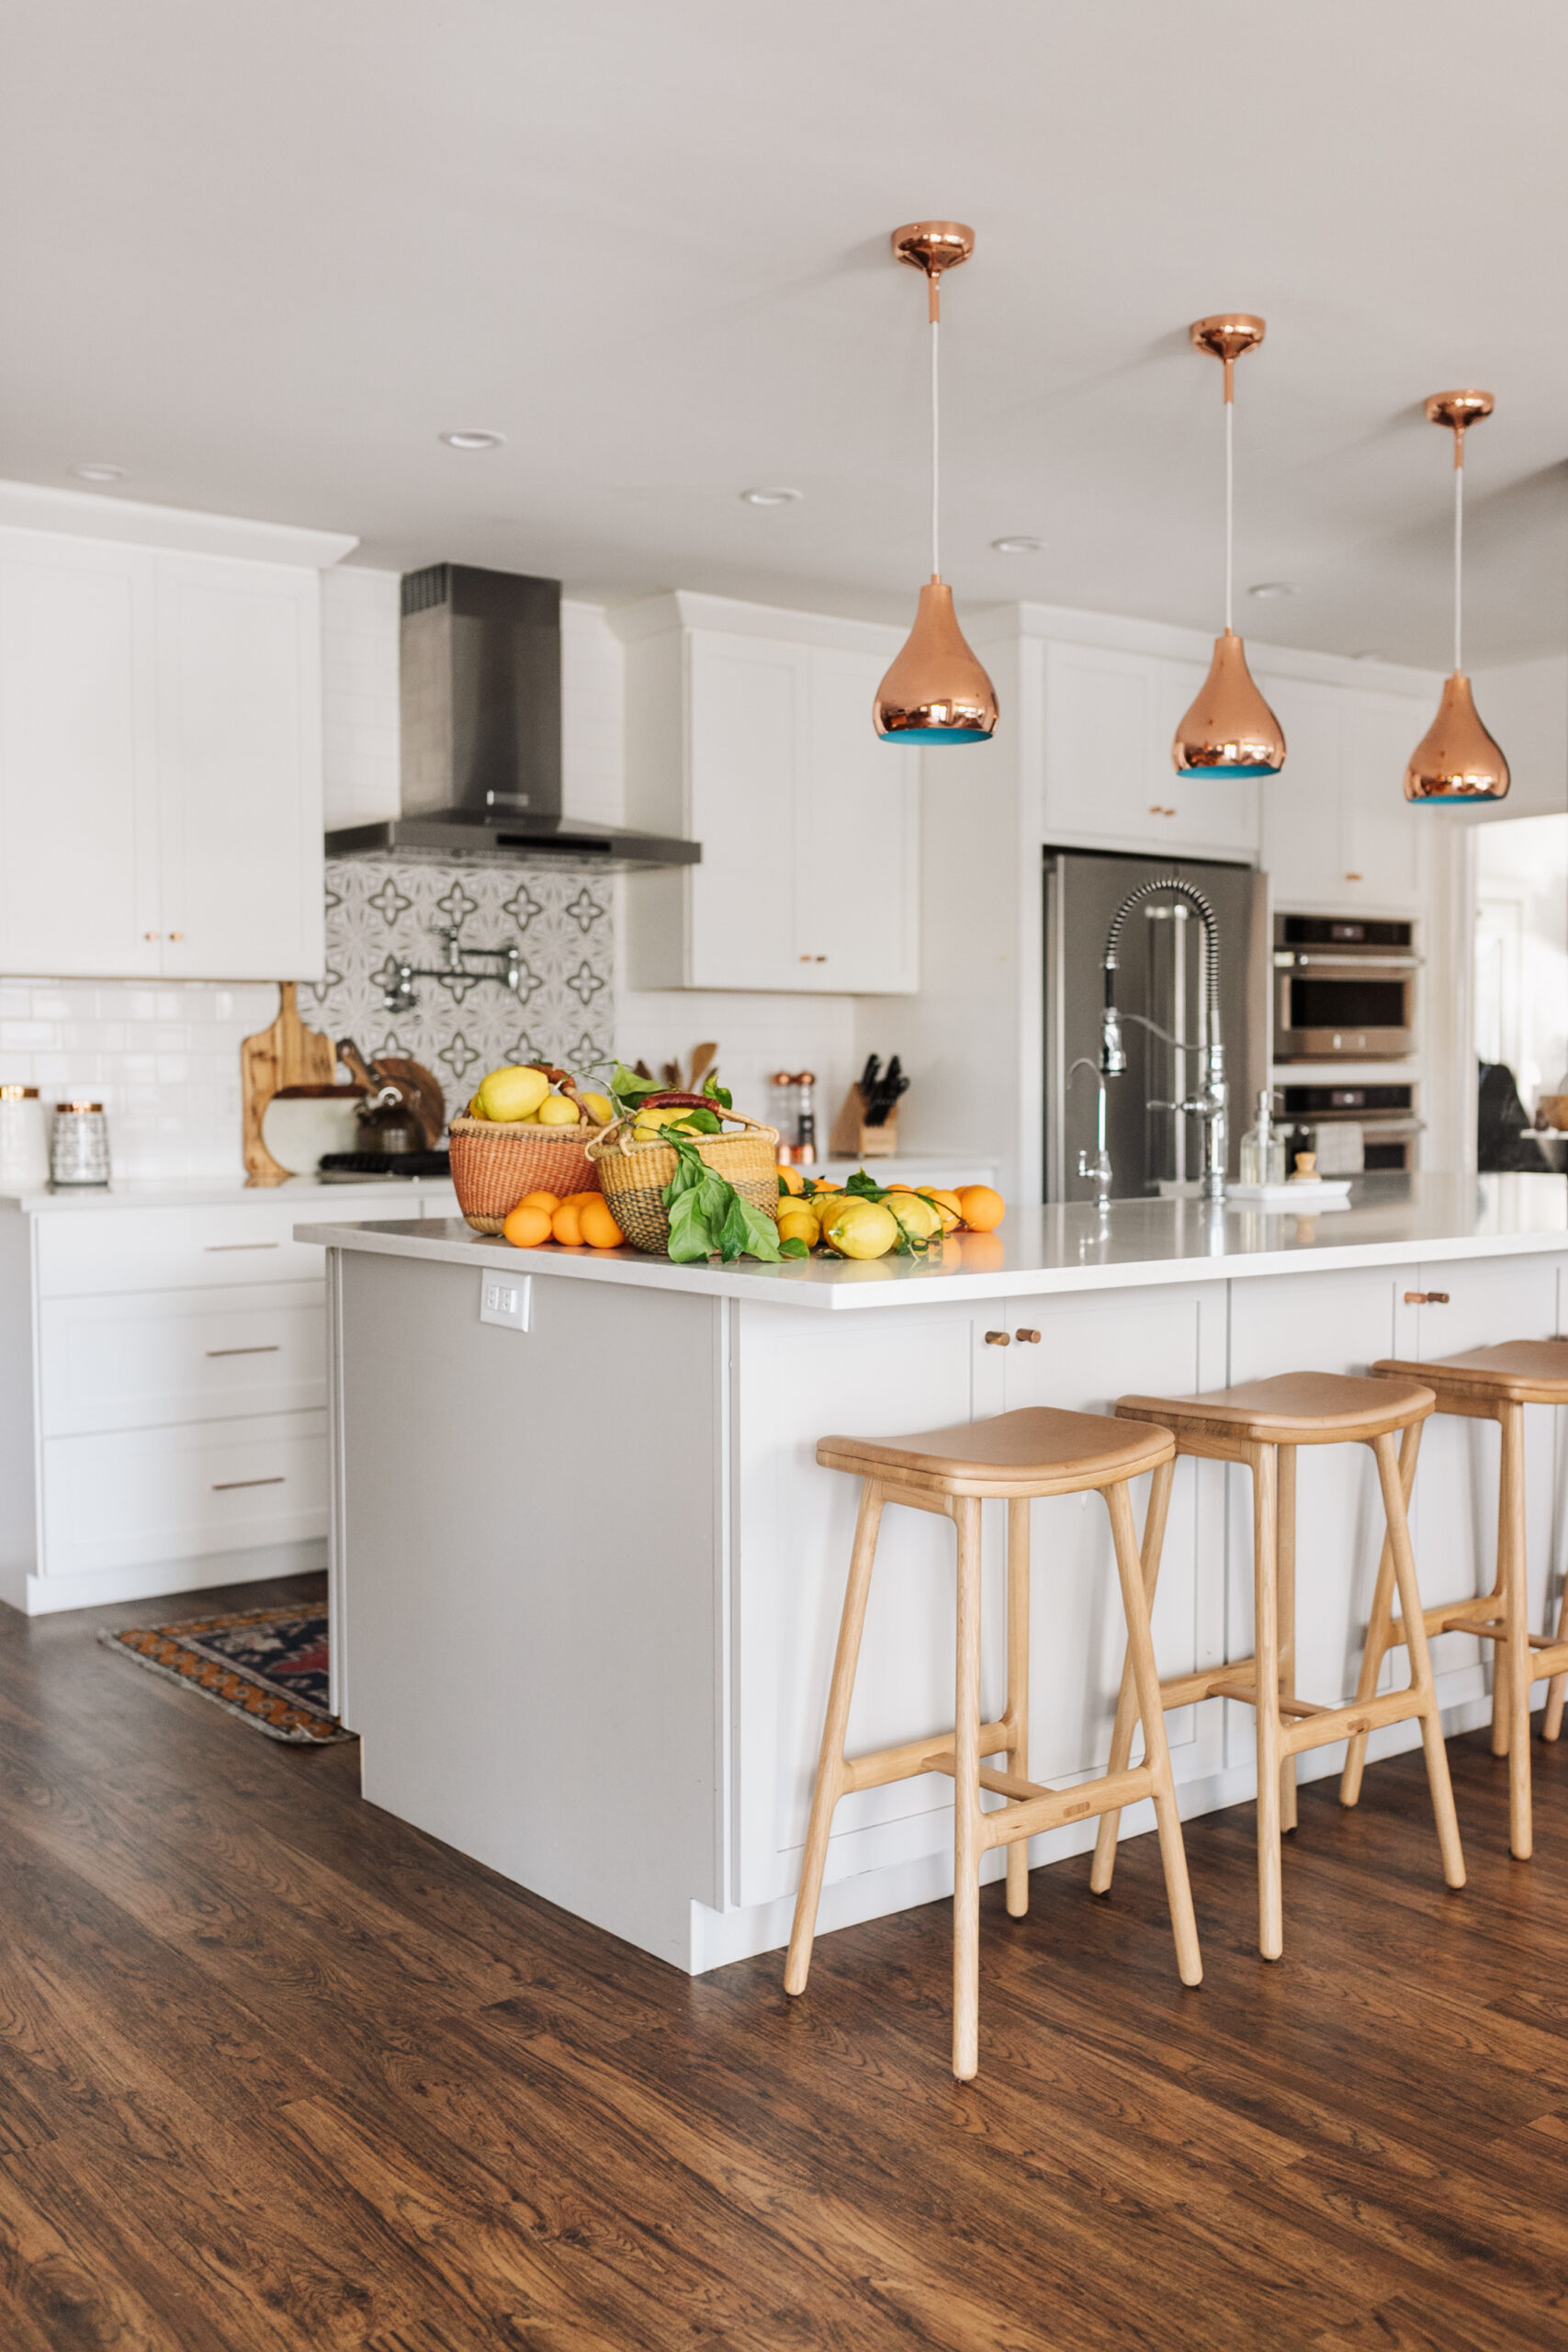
pixel 1392 1220
pixel 221 1192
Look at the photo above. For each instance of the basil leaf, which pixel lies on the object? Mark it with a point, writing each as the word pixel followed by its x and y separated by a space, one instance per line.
pixel 689 1234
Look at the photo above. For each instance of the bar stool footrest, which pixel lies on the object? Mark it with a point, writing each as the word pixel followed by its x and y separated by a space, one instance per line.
pixel 1326 1724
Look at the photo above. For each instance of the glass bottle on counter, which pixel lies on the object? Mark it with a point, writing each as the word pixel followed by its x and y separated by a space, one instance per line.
pixel 805 1118
pixel 1263 1146
pixel 781 1113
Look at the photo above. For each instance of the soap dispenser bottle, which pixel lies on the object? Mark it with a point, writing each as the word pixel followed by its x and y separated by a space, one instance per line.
pixel 1263 1146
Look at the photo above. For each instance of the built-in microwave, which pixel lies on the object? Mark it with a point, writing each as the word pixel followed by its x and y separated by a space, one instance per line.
pixel 1344 989
pixel 1352 1128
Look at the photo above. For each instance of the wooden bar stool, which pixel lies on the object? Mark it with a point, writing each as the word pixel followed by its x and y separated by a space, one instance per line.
pixel 1487 1384
pixel 1016 1455
pixel 1261 1423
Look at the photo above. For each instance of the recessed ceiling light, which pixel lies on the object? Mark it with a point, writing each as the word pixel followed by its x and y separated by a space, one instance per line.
pixel 1269 588
pixel 99 473
pixel 1017 546
pixel 473 440
pixel 773 496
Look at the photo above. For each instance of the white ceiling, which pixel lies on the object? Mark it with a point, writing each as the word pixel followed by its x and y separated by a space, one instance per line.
pixel 262 253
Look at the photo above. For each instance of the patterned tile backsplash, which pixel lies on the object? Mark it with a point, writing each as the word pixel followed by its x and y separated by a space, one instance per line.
pixel 384 911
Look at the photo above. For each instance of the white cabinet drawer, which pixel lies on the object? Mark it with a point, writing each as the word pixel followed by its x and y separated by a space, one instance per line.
pixel 131 1499
pixel 128 1250
pixel 145 1358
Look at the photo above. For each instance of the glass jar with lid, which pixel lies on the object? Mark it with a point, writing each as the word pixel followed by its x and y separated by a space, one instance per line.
pixel 79 1147
pixel 23 1140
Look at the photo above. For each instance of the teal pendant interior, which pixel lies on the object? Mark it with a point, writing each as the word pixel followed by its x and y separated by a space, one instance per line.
pixel 1258 770
pixel 938 735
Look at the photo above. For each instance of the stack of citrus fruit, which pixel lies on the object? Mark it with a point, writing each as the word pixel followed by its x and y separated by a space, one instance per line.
pixel 580 1217
pixel 854 1225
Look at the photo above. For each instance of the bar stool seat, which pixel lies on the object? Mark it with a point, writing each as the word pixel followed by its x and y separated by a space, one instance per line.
pixel 1017 1456
pixel 1490 1384
pixel 1260 1423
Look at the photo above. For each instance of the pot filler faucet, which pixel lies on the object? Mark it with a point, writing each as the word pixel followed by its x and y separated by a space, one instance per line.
pixel 1209 1104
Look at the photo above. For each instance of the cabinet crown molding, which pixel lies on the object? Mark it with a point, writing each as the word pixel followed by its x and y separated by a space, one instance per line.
pixel 1116 632
pixel 38 506
pixel 687 608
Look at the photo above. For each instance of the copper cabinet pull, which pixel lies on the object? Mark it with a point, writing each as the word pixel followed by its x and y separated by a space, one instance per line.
pixel 999 1338
pixel 1426 1298
pixel 1436 1299
pixel 1029 1337
pixel 227 1485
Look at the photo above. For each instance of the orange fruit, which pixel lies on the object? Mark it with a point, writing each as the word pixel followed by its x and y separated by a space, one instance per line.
pixel 951 1207
pixel 983 1209
pixel 566 1225
pixel 527 1226
pixel 792 1180
pixel 548 1201
pixel 597 1226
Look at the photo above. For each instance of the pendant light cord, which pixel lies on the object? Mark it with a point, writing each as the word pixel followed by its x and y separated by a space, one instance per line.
pixel 936 460
pixel 1459 560
pixel 1230 510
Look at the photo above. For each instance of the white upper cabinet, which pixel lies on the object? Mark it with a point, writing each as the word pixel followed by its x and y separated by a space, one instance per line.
pixel 238 768
pixel 78 783
pixel 160 761
pixel 760 747
pixel 1338 833
pixel 1111 717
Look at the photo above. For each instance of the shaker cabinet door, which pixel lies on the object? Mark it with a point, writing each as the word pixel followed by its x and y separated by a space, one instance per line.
pixel 78 807
pixel 240 778
pixel 857 838
pixel 1304 845
pixel 748 723
pixel 1386 837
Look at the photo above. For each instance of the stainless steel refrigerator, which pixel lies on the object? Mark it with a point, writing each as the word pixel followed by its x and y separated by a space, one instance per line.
pixel 1158 982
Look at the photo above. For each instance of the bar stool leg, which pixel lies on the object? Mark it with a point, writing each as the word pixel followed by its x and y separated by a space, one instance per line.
pixel 830 1772
pixel 1156 1753
pixel 1511 1675
pixel 966 1798
pixel 1379 1624
pixel 1017 1717
pixel 1127 1696
pixel 1414 1625
pixel 1266 1694
pixel 1285 1562
pixel 1557 1688
pixel 1502 1710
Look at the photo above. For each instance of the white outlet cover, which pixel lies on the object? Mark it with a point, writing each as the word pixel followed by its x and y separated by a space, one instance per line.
pixel 506 1299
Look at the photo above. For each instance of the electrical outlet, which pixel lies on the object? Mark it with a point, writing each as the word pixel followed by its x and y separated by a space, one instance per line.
pixel 504 1299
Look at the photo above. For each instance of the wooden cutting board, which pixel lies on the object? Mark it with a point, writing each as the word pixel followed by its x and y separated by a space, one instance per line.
pixel 285 1055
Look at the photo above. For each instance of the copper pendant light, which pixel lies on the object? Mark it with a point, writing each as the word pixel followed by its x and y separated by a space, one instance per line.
pixel 1456 759
pixel 936 691
pixel 1230 729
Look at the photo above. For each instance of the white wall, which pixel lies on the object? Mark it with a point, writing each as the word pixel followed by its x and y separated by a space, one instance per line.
pixel 1521 889
pixel 1525 707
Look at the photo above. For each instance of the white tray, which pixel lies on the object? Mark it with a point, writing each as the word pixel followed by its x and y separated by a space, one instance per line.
pixel 1322 1193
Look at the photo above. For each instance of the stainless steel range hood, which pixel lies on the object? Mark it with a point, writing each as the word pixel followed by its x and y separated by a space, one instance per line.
pixel 481 734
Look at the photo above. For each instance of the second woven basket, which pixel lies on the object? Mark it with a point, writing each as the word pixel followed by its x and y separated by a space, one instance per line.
pixel 632 1176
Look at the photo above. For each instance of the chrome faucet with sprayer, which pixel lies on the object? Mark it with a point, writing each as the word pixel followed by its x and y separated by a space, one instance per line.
pixel 1208 1102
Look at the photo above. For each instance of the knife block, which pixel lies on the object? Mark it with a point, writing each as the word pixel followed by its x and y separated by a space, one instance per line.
pixel 853 1139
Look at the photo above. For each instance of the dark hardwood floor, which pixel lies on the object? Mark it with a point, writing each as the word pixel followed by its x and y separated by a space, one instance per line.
pixel 276 2072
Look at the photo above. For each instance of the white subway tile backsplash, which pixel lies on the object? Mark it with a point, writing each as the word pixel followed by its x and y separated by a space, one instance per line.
pixel 28 1037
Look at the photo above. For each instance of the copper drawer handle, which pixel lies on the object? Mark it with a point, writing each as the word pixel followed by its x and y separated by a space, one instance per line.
pixel 999 1338
pixel 1029 1339
pixel 227 1485
pixel 1426 1298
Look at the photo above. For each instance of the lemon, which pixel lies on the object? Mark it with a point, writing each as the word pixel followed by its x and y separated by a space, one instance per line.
pixel 919 1219
pixel 512 1093
pixel 599 1108
pixel 861 1229
pixel 558 1111
pixel 797 1223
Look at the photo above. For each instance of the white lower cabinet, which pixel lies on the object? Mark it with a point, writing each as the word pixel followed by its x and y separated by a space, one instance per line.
pixel 163 1395
pixel 128 1497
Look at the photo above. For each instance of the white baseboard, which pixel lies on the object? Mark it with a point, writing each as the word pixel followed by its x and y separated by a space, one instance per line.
pixel 98 1587
pixel 720 1937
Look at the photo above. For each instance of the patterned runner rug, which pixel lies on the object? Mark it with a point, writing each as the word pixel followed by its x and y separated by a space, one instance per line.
pixel 268 1668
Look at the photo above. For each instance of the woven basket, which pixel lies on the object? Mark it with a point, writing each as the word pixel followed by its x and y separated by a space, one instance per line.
pixel 632 1176
pixel 493 1166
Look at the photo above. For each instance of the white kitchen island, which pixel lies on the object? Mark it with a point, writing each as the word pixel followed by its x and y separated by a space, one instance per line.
pixel 586 1575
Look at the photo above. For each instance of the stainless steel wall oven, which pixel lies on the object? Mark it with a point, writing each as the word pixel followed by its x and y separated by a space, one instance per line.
pixel 1344 989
